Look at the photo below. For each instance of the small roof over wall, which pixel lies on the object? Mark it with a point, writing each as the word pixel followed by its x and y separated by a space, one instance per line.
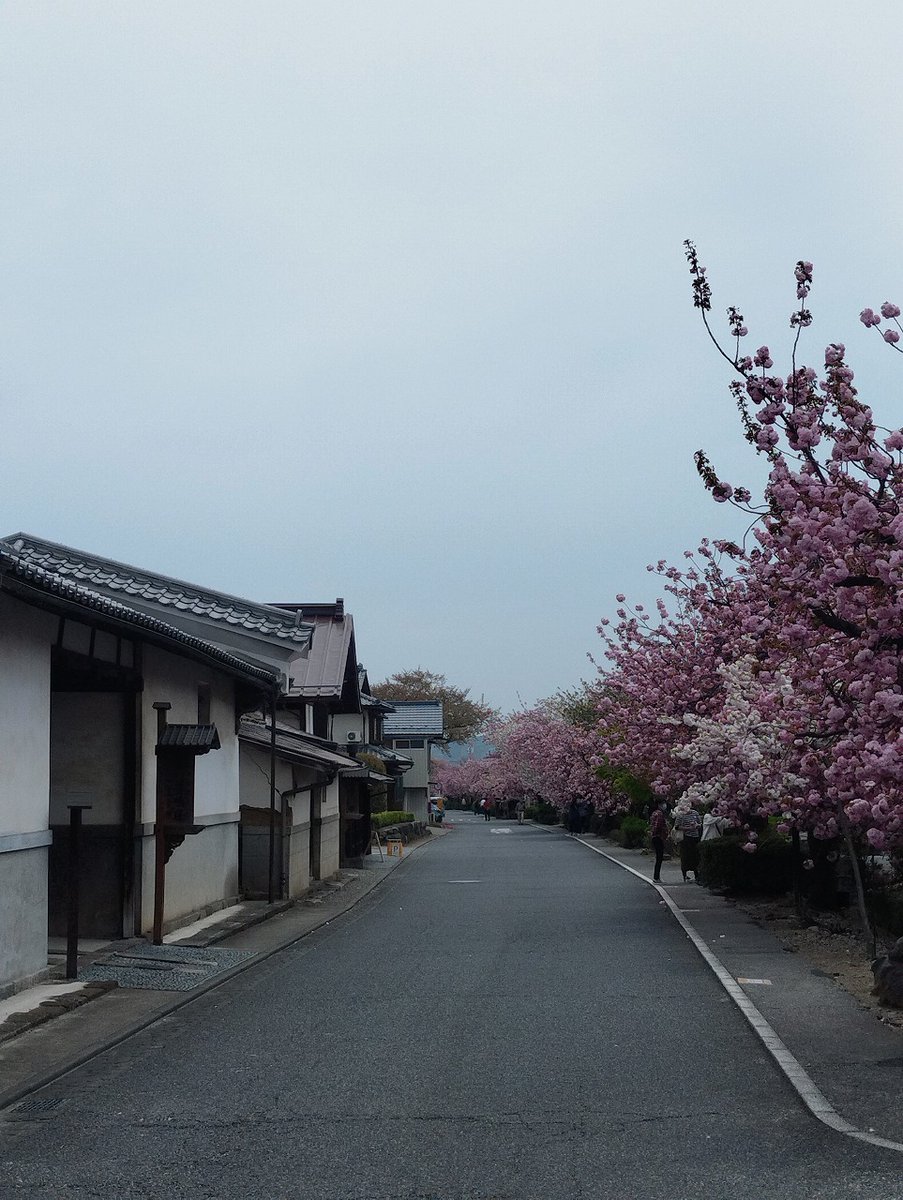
pixel 413 718
pixel 200 738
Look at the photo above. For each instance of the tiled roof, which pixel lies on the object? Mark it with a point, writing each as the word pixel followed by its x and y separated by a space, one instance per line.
pixel 416 717
pixel 110 576
pixel 294 745
pixel 192 737
pixel 65 592
pixel 368 701
pixel 389 756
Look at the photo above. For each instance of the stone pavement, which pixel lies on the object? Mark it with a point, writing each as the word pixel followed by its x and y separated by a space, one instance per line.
pixel 48 1030
pixel 854 1059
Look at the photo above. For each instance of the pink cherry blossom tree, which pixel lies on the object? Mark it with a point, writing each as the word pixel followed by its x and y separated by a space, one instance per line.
pixel 828 560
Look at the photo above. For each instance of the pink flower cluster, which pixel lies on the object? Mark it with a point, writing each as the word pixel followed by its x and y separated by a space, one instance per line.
pixel 768 681
pixel 776 687
pixel 540 754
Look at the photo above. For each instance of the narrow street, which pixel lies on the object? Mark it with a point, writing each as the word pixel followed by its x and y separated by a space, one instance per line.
pixel 508 1016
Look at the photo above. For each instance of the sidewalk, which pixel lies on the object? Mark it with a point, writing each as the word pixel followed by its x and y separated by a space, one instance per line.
pixel 73 1031
pixel 854 1060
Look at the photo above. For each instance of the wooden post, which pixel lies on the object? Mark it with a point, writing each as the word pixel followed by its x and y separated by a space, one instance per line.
pixel 75 825
pixel 162 708
pixel 271 890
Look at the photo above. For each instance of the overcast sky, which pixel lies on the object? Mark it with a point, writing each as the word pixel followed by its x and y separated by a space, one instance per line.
pixel 386 300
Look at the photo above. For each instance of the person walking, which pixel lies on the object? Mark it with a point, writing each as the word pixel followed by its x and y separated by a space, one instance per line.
pixel 687 830
pixel 574 818
pixel 520 808
pixel 658 834
pixel 487 810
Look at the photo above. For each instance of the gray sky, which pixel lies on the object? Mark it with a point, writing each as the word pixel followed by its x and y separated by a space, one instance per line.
pixel 387 300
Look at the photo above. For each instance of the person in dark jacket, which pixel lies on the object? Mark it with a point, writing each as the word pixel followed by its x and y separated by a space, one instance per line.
pixel 658 833
pixel 573 817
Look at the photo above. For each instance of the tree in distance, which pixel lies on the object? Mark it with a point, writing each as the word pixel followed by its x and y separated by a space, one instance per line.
pixel 463 718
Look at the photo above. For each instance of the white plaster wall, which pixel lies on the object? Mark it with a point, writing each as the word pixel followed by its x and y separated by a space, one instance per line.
pixel 254 776
pixel 419 775
pixel 23 930
pixel 330 829
pixel 202 874
pixel 25 639
pixel 203 871
pixel 416 801
pixel 167 677
pixel 343 723
pixel 255 791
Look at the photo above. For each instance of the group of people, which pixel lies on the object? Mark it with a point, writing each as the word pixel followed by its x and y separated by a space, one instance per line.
pixel 578 816
pixel 507 808
pixel 686 831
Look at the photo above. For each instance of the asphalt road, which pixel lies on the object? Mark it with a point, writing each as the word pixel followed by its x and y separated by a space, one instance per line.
pixel 508 1016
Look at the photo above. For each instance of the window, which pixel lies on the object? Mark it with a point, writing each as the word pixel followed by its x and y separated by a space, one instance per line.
pixel 204 703
pixel 409 743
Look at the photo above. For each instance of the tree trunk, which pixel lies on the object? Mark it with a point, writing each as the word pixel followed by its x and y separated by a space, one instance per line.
pixel 867 930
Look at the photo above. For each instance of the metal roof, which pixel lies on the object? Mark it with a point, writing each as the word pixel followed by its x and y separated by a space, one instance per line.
pixel 417 718
pixel 36 585
pixel 110 576
pixel 322 674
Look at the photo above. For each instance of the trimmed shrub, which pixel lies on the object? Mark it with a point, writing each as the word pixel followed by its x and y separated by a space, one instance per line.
pixel 380 820
pixel 634 832
pixel 542 813
pixel 886 909
pixel 724 864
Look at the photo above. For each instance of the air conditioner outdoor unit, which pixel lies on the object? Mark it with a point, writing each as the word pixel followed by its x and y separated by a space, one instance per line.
pixel 352 737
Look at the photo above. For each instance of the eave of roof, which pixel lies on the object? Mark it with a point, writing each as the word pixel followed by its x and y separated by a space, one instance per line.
pixel 363 772
pixel 44 589
pixel 295 746
pixel 107 575
pixel 389 756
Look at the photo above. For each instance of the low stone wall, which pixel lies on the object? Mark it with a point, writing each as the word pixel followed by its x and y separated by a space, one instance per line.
pixel 406 831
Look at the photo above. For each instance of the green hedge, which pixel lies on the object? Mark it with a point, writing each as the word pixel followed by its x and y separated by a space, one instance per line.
pixel 723 863
pixel 634 831
pixel 886 909
pixel 543 814
pixel 380 820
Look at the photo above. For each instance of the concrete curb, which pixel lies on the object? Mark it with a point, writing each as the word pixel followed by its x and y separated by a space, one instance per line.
pixel 54 1006
pixel 13 1095
pixel 802 1083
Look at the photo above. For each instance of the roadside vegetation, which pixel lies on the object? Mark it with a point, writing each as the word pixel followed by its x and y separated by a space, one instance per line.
pixel 765 686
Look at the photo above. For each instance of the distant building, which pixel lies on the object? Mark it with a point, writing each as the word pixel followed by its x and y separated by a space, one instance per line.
pixel 412 728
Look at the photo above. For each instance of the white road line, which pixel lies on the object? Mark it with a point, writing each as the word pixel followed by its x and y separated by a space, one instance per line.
pixel 465 881
pixel 815 1100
